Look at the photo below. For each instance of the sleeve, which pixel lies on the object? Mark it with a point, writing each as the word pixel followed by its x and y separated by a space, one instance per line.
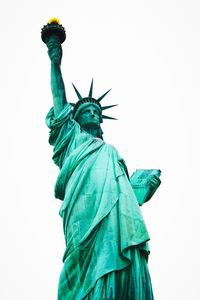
pixel 62 131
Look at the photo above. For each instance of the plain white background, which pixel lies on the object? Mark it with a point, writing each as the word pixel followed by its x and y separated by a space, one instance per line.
pixel 148 52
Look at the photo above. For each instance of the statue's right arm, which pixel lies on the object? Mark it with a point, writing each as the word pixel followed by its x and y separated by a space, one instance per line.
pixel 57 84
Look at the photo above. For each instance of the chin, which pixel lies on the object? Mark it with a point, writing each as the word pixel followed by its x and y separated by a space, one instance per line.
pixel 92 125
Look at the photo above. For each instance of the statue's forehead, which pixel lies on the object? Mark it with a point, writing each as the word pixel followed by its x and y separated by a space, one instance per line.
pixel 90 106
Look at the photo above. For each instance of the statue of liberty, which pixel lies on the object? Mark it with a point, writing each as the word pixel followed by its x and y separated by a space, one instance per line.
pixel 106 237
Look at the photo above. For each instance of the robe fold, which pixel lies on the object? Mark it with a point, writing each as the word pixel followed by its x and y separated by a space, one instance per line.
pixel 105 234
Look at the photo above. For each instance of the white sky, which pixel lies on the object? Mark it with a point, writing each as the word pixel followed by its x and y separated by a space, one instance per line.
pixel 148 52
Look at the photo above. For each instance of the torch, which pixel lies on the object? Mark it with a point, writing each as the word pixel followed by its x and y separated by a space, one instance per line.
pixel 53 29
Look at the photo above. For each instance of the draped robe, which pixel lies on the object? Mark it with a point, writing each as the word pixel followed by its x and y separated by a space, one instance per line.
pixel 105 234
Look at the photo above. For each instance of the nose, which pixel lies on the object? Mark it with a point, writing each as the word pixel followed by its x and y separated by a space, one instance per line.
pixel 92 113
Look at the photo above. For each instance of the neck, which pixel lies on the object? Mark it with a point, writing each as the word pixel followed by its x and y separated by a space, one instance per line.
pixel 91 131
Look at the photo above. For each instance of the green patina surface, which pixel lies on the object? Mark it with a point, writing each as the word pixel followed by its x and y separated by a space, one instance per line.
pixel 106 237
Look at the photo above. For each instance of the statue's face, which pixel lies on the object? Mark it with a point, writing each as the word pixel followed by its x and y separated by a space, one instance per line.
pixel 89 117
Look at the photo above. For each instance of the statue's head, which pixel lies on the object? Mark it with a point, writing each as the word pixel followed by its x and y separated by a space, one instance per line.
pixel 89 115
pixel 88 111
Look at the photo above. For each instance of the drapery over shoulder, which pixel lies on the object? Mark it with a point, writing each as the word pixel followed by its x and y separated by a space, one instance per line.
pixel 71 145
pixel 63 130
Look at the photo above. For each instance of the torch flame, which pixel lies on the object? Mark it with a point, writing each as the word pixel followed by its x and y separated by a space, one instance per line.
pixel 54 20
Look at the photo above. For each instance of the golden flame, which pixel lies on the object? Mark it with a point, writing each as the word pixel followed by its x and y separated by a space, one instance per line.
pixel 54 20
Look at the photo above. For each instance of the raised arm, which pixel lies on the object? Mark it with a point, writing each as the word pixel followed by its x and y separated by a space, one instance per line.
pixel 57 84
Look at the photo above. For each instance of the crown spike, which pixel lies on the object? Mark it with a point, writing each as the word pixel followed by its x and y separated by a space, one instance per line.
pixel 108 118
pixel 91 89
pixel 100 98
pixel 108 106
pixel 77 92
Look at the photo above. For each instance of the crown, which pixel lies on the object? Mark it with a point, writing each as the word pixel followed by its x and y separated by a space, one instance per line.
pixel 89 99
